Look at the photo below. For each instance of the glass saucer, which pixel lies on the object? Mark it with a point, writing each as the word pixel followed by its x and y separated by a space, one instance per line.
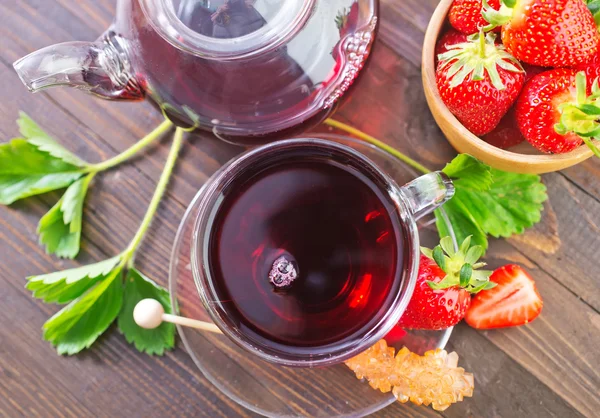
pixel 277 391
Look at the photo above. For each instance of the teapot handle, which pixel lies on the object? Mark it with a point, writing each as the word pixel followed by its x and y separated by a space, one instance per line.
pixel 426 193
pixel 101 68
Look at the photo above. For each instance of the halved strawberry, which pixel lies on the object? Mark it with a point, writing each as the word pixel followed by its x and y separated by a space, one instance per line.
pixel 548 33
pixel 514 301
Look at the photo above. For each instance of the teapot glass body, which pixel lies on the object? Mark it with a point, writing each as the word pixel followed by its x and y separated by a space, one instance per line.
pixel 248 70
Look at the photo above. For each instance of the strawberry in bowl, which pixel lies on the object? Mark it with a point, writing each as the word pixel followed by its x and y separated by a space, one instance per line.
pixel 479 81
pixel 474 98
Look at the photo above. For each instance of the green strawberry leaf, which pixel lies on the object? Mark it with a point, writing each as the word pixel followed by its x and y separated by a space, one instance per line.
pixel 507 205
pixel 81 322
pixel 513 203
pixel 151 341
pixel 463 223
pixel 14 187
pixel 67 285
pixel 35 164
pixel 36 136
pixel 467 172
pixel 60 228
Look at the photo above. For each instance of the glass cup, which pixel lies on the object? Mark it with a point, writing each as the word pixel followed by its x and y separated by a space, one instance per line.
pixel 410 202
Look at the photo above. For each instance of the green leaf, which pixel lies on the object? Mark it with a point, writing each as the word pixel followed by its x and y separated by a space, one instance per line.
pixel 427 252
pixel 468 172
pixel 462 222
pixel 65 286
pixel 466 271
pixel 512 203
pixel 448 246
pixel 81 322
pixel 15 187
pixel 36 136
pixel 438 257
pixel 35 164
pixel 466 244
pixel 60 228
pixel 151 341
pixel 473 254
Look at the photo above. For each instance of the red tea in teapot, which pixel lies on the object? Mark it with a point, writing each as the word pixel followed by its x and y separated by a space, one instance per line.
pixel 247 70
pixel 305 253
pixel 292 85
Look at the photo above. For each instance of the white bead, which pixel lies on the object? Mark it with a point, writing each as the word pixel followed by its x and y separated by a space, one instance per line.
pixel 148 313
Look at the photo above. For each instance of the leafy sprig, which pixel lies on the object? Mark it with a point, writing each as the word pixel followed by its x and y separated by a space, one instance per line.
pixel 98 294
pixel 487 202
pixel 35 163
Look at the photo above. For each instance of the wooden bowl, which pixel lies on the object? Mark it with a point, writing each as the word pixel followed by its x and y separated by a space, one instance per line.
pixel 521 159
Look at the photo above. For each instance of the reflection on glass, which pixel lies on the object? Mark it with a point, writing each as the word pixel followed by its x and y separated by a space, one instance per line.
pixel 227 19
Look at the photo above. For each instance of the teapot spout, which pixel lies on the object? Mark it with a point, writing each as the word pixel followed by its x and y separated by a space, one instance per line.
pixel 100 68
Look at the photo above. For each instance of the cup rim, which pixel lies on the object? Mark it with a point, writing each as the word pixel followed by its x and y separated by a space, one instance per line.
pixel 385 320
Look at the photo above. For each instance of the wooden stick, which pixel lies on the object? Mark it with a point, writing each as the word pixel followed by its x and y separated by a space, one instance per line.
pixel 149 314
pixel 192 323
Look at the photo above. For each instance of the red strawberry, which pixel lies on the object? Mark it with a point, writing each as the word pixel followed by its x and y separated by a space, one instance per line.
pixel 507 133
pixel 515 301
pixel 451 37
pixel 443 295
pixel 548 112
pixel 548 33
pixel 479 81
pixel 532 70
pixel 592 68
pixel 466 16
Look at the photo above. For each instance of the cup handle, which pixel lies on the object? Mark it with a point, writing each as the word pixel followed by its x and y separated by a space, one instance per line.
pixel 427 193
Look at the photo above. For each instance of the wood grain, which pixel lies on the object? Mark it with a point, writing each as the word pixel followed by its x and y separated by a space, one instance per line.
pixel 546 369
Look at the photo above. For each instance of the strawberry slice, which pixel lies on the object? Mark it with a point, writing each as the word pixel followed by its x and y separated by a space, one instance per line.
pixel 515 301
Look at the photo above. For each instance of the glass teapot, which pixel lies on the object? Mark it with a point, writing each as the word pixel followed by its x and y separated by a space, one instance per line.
pixel 248 70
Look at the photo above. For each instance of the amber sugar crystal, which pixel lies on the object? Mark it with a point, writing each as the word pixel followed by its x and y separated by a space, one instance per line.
pixel 431 379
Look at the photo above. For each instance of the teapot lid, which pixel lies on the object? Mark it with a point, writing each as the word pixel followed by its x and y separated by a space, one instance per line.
pixel 227 29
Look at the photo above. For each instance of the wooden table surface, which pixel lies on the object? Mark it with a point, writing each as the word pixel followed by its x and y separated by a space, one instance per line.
pixel 547 369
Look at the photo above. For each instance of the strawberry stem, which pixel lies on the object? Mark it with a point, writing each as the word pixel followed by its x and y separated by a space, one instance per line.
pixel 481 44
pixel 379 144
pixel 497 17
